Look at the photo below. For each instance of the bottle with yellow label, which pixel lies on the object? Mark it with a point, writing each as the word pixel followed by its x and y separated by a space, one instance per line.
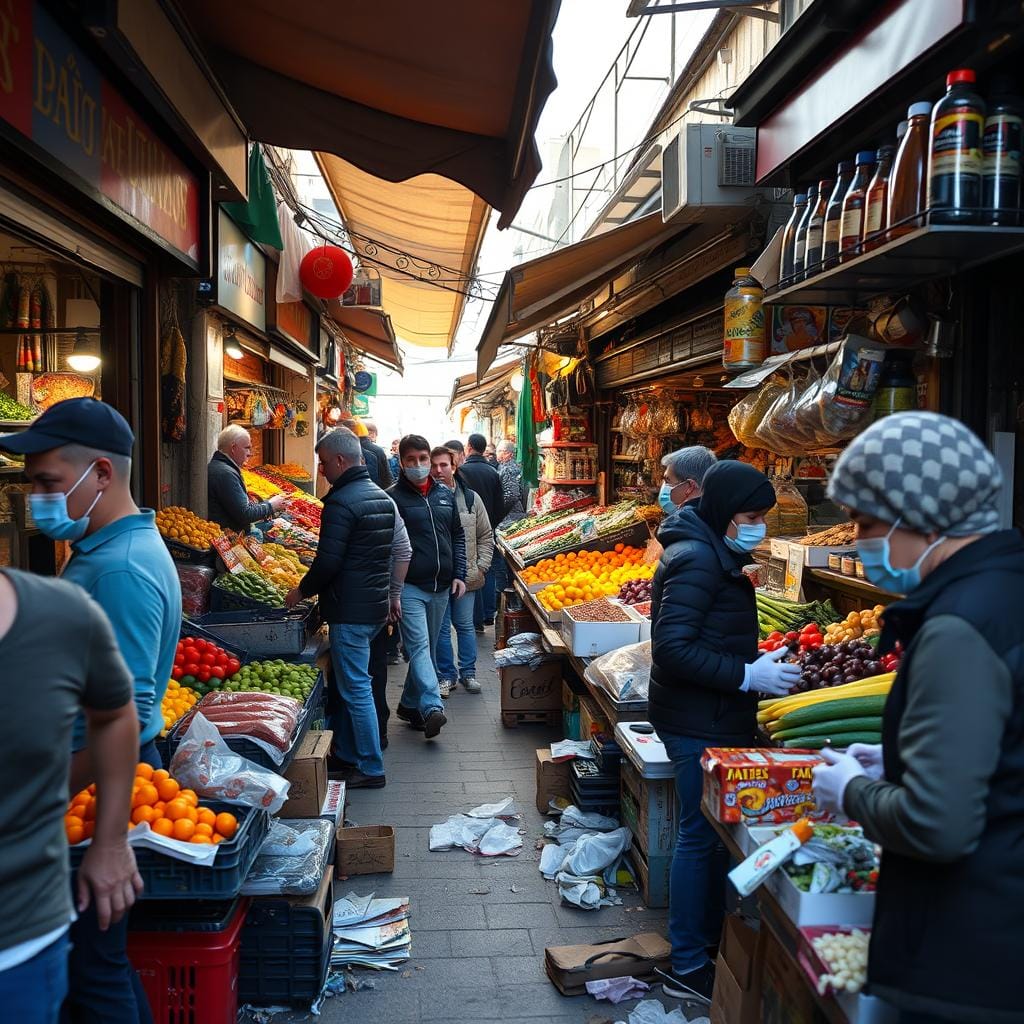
pixel 955 158
pixel 744 331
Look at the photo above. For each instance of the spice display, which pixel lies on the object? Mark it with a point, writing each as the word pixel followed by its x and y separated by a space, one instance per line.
pixel 955 160
pixel 185 527
pixel 600 610
pixel 744 330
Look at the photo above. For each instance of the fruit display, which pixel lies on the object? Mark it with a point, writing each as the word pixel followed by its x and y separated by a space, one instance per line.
pixel 636 592
pixel 282 566
pixel 532 522
pixel 586 575
pixel 798 641
pixel 294 538
pixel 276 677
pixel 11 409
pixel 835 664
pixel 177 701
pixel 185 527
pixel 845 955
pixel 158 800
pixel 574 531
pixel 270 474
pixel 857 624
pixel 259 485
pixel 291 471
pixel 305 512
pixel 253 586
pixel 201 666
pixel 776 614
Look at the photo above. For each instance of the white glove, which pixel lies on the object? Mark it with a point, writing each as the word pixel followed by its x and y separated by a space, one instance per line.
pixel 869 756
pixel 831 780
pixel 770 674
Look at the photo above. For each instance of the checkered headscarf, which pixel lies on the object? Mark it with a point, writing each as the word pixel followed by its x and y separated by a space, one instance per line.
pixel 928 471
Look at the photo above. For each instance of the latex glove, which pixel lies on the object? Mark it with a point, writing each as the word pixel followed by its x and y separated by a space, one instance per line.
pixel 869 756
pixel 769 674
pixel 831 780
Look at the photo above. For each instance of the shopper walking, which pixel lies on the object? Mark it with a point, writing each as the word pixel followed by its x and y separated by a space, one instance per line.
pixel 704 684
pixel 479 552
pixel 393 463
pixel 483 478
pixel 943 795
pixel 682 477
pixel 227 501
pixel 437 569
pixel 78 456
pixel 374 457
pixel 82 674
pixel 350 575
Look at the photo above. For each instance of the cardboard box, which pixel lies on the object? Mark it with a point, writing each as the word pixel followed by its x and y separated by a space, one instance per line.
pixel 759 785
pixel 737 994
pixel 527 689
pixel 365 850
pixel 588 639
pixel 552 779
pixel 785 991
pixel 592 719
pixel 308 777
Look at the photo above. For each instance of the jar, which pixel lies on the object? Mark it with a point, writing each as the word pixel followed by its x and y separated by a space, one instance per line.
pixel 847 567
pixel 835 561
pixel 858 566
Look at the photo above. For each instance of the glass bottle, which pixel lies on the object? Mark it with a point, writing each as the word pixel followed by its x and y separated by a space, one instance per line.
pixel 851 223
pixel 909 179
pixel 1001 155
pixel 789 238
pixel 816 230
pixel 876 205
pixel 954 171
pixel 800 239
pixel 743 332
pixel 834 212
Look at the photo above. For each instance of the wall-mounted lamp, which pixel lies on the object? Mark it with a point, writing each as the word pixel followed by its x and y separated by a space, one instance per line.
pixel 231 346
pixel 83 356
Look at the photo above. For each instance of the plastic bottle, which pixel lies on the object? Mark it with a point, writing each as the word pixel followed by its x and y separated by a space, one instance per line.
pixel 876 205
pixel 749 874
pixel 1001 155
pixel 954 172
pixel 851 223
pixel 816 230
pixel 800 239
pixel 743 331
pixel 834 212
pixel 789 237
pixel 908 182
pixel 897 386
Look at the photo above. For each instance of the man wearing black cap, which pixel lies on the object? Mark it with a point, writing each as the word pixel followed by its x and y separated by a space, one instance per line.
pixel 78 456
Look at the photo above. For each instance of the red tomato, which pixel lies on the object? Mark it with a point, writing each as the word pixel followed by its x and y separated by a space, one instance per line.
pixel 208 658
pixel 217 671
pixel 775 636
pixel 792 636
pixel 203 675
pixel 191 668
pixel 176 672
pixel 222 658
pixel 815 641
pixel 772 645
pixel 234 665
pixel 811 627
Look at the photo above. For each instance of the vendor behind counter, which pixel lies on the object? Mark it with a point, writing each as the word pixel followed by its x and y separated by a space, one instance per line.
pixel 228 502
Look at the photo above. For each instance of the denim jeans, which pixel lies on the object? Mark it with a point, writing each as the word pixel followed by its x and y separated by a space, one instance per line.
pixel 32 991
pixel 379 678
pixel 422 613
pixel 356 735
pixel 699 864
pixel 484 598
pixel 460 614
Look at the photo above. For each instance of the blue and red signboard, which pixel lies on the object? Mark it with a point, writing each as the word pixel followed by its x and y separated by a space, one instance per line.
pixel 54 95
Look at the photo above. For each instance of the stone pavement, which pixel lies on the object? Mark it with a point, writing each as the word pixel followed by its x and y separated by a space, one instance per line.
pixel 479 925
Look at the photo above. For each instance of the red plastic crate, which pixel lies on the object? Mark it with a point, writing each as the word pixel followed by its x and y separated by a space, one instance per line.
pixel 190 977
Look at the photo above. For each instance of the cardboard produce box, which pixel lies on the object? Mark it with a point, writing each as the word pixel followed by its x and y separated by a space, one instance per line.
pixel 365 850
pixel 308 777
pixel 785 990
pixel 552 779
pixel 592 719
pixel 527 689
pixel 737 994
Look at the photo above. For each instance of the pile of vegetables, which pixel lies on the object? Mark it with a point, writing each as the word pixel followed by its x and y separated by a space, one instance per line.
pixel 857 624
pixel 845 955
pixel 833 665
pixel 777 615
pixel 10 409
pixel 837 858
pixel 253 586
pixel 521 527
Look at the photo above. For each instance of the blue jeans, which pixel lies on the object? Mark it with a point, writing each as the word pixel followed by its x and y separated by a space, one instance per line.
pixel 484 598
pixel 356 734
pixel 699 864
pixel 459 613
pixel 422 614
pixel 32 992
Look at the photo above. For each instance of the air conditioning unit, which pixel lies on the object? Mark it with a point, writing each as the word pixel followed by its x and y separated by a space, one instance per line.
pixel 708 167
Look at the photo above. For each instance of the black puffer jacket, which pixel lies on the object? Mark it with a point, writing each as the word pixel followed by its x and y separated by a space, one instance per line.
pixel 352 568
pixel 480 476
pixel 436 534
pixel 376 463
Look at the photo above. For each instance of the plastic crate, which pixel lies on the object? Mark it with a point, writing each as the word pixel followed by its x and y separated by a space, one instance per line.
pixel 185 554
pixel 190 629
pixel 190 976
pixel 268 634
pixel 222 600
pixel 167 878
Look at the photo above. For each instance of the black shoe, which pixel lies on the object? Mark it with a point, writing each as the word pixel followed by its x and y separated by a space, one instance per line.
pixel 410 716
pixel 488 622
pixel 479 629
pixel 698 984
pixel 357 780
pixel 393 659
pixel 383 743
pixel 336 766
pixel 432 724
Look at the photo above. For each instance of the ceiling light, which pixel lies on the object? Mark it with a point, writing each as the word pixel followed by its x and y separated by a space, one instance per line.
pixel 83 357
pixel 231 346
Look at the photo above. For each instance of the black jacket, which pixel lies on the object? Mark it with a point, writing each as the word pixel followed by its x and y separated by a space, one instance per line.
pixel 376 463
pixel 436 534
pixel 947 930
pixel 480 476
pixel 704 632
pixel 227 501
pixel 352 568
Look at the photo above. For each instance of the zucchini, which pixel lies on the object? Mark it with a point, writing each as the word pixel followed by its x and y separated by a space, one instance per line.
pixel 866 724
pixel 838 740
pixel 835 710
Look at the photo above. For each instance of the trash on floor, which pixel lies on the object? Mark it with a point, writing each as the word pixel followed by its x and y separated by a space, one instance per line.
pixel 370 933
pixel 565 750
pixel 639 957
pixel 617 990
pixel 651 1011
pixel 522 649
pixel 490 837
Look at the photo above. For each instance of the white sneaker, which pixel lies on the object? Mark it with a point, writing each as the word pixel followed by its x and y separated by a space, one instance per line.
pixel 471 685
pixel 445 686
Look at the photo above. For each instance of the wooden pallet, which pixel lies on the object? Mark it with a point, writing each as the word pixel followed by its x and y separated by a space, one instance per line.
pixel 511 719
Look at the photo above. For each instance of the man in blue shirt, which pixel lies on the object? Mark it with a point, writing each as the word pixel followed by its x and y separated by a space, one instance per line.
pixel 78 457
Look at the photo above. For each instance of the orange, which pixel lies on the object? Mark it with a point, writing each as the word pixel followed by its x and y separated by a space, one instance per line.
pixel 227 824
pixel 160 775
pixel 163 827
pixel 176 809
pixel 145 796
pixel 201 839
pixel 167 789
pixel 183 829
pixel 76 833
pixel 74 819
pixel 193 815
pixel 90 809
pixel 144 771
pixel 159 808
pixel 204 830
pixel 207 817
pixel 189 796
pixel 217 838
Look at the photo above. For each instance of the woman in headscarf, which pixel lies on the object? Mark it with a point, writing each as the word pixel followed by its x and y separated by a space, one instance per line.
pixel 943 794
pixel 705 681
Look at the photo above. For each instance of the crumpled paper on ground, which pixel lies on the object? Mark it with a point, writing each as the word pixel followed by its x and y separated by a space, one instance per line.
pixel 501 809
pixel 617 990
pixel 490 837
pixel 651 1011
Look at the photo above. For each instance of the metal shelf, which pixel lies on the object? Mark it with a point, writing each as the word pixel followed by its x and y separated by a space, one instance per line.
pixel 925 254
pixel 627 458
pixel 567 483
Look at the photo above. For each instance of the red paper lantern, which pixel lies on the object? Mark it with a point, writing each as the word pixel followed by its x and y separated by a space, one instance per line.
pixel 326 271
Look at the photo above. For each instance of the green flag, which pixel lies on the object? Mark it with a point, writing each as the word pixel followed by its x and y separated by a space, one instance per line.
pixel 258 217
pixel 526 434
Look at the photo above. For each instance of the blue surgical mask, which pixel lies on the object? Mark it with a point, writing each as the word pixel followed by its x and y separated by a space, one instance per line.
pixel 668 506
pixel 50 512
pixel 748 536
pixel 876 554
pixel 416 474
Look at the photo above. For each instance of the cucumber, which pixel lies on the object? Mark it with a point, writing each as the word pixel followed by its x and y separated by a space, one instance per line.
pixel 837 740
pixel 869 724
pixel 835 710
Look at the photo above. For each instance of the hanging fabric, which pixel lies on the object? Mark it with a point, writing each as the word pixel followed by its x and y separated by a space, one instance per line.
pixel 526 431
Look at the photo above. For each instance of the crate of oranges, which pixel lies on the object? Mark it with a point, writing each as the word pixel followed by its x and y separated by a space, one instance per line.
pixel 175 813
pixel 188 538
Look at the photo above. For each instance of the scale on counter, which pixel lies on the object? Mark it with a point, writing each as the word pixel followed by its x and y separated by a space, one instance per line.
pixel 646 753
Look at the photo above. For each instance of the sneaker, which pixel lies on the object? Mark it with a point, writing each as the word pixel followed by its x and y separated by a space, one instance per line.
pixel 488 622
pixel 393 659
pixel 336 766
pixel 698 984
pixel 445 687
pixel 479 628
pixel 471 685
pixel 410 716
pixel 357 780
pixel 433 722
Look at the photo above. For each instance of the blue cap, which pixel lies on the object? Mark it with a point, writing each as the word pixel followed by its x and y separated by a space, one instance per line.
pixel 84 421
pixel 865 156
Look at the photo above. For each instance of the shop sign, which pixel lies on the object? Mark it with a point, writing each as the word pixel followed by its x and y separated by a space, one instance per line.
pixel 360 406
pixel 366 383
pixel 295 320
pixel 54 95
pixel 241 274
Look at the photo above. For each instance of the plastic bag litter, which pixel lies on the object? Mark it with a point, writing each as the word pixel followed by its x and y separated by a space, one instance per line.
pixel 573 816
pixel 585 893
pixel 551 857
pixel 502 809
pixel 617 990
pixel 566 750
pixel 292 859
pixel 489 837
pixel 624 673
pixel 598 854
pixel 501 839
pixel 651 1011
pixel 205 763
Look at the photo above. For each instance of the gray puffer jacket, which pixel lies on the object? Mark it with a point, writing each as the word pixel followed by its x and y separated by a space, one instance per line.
pixel 479 535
